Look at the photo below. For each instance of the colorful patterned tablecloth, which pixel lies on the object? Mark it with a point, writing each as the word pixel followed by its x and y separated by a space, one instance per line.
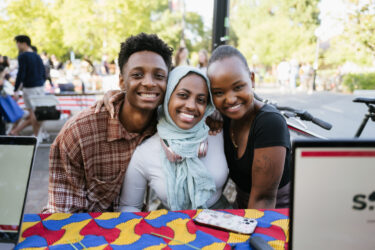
pixel 140 230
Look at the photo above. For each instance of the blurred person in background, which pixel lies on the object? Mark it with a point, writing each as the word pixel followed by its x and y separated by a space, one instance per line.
pixel 5 86
pixel 4 61
pixel 30 78
pixel 203 60
pixel 112 67
pixel 182 57
pixel 294 70
pixel 55 63
pixel 283 71
pixel 87 73
pixel 47 66
pixel 306 76
pixel 104 65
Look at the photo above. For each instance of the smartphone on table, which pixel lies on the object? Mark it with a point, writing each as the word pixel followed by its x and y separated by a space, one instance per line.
pixel 226 221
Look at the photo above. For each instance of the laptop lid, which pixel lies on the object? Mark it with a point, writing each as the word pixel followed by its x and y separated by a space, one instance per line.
pixel 333 194
pixel 16 159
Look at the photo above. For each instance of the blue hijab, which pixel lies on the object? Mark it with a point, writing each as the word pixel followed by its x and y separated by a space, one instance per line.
pixel 189 184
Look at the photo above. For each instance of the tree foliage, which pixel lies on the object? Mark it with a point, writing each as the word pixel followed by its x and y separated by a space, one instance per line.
pixel 90 27
pixel 357 42
pixel 361 24
pixel 33 18
pixel 272 30
pixel 359 81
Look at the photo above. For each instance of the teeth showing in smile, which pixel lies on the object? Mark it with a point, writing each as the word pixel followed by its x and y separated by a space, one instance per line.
pixel 148 95
pixel 187 116
pixel 234 108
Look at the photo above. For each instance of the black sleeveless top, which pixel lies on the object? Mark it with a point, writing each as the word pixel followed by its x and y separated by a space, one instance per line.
pixel 267 129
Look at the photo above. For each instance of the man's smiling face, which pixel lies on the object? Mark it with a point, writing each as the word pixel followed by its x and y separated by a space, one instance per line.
pixel 144 78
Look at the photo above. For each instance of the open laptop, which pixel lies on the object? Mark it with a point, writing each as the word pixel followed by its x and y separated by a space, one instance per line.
pixel 333 194
pixel 16 160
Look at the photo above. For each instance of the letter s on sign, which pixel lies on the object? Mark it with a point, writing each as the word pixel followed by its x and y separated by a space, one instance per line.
pixel 359 200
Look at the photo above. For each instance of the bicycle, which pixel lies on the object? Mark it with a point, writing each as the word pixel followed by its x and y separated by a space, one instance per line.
pixel 370 102
pixel 298 131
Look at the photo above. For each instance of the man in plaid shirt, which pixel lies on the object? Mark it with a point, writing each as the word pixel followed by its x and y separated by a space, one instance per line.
pixel 90 155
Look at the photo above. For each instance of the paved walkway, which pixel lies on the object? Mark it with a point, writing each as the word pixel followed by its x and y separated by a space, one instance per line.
pixel 38 186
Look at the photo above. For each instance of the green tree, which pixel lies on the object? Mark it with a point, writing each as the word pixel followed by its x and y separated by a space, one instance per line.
pixel 169 28
pixel 357 41
pixel 273 30
pixel 33 18
pixel 361 24
pixel 97 27
pixel 91 27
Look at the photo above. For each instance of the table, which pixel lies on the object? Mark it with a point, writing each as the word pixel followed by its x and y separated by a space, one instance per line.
pixel 70 103
pixel 136 230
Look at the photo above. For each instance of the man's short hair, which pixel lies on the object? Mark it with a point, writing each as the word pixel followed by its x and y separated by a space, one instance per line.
pixel 144 42
pixel 23 39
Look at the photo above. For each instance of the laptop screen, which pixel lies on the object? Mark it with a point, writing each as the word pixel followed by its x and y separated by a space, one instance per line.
pixel 333 195
pixel 16 156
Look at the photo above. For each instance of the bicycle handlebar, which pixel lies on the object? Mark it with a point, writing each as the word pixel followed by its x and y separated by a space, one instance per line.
pixel 306 116
pixel 322 123
pixel 302 114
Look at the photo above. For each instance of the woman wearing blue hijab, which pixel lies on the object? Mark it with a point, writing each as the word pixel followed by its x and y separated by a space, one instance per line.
pixel 176 162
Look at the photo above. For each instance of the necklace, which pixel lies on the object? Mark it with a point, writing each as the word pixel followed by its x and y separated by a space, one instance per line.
pixel 250 121
pixel 232 139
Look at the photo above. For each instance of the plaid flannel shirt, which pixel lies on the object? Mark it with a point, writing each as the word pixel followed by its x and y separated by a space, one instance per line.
pixel 88 161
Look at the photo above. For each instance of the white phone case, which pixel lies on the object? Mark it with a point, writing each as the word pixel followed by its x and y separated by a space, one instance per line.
pixel 227 221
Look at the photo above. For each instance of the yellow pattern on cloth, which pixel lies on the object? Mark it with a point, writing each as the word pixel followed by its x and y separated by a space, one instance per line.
pixel 237 238
pixel 253 213
pixel 127 235
pixel 58 216
pixel 181 234
pixel 156 214
pixel 215 246
pixel 108 216
pixel 72 233
pixel 159 247
pixel 97 247
pixel 25 226
pixel 284 224
pixel 277 244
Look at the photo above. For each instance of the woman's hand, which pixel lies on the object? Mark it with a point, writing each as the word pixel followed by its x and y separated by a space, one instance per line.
pixel 109 98
pixel 215 123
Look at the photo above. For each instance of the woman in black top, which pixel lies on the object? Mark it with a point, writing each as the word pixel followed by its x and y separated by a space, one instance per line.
pixel 256 137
